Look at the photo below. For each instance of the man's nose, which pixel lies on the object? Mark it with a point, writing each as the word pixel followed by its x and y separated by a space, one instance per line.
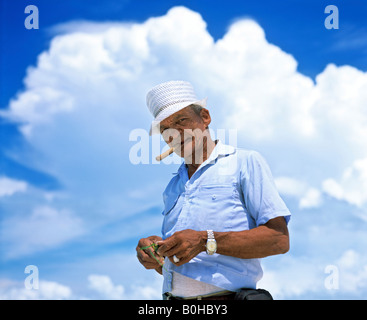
pixel 172 135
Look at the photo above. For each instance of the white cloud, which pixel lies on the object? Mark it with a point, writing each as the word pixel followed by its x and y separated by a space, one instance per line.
pixel 352 186
pixel 147 292
pixel 265 92
pixel 290 186
pixel 48 290
pixel 331 187
pixel 294 278
pixel 44 228
pixel 308 197
pixel 106 289
pixel 10 186
pixel 103 285
pixel 123 269
pixel 352 267
pixel 93 81
pixel 99 287
pixel 311 199
pixel 304 278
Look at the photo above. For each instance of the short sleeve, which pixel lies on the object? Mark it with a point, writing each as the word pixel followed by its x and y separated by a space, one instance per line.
pixel 260 194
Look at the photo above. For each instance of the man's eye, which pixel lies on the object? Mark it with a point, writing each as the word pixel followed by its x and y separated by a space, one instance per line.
pixel 181 120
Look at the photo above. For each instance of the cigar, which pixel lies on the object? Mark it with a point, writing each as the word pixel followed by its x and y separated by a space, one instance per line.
pixel 165 154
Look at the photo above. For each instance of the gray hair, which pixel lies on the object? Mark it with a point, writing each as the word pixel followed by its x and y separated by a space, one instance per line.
pixel 196 108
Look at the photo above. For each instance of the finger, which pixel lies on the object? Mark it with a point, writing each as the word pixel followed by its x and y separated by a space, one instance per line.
pixel 178 253
pixel 175 251
pixel 154 255
pixel 159 270
pixel 182 252
pixel 145 254
pixel 180 248
pixel 147 246
pixel 182 260
pixel 147 261
pixel 167 251
pixel 166 245
pixel 149 254
pixel 143 257
pixel 146 264
pixel 173 260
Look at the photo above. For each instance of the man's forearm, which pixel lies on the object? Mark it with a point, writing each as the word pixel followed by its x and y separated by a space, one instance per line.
pixel 265 240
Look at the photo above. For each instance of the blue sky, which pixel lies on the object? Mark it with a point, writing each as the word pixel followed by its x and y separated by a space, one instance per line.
pixel 72 92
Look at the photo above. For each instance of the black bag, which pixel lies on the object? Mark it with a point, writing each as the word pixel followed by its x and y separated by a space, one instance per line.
pixel 253 294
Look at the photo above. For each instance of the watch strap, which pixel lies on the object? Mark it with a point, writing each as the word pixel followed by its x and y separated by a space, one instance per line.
pixel 210 234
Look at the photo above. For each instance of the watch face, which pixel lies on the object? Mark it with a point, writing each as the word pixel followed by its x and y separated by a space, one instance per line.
pixel 211 246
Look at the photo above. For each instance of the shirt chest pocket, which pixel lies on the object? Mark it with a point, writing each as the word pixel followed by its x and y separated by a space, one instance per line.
pixel 214 206
pixel 171 213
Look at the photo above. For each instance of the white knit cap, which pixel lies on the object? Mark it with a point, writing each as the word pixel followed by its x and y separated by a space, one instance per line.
pixel 169 97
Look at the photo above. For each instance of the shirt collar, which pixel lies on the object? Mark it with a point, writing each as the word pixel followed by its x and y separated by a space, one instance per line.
pixel 220 149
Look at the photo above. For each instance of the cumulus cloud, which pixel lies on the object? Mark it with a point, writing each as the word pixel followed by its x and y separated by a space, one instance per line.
pixel 311 199
pixel 294 278
pixel 352 187
pixel 100 287
pixel 300 278
pixel 103 285
pixel 352 272
pixel 290 186
pixel 45 227
pixel 106 289
pixel 93 81
pixel 48 290
pixel 10 186
pixel 308 197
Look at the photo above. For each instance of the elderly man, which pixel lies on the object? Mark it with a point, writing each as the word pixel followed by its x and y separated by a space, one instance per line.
pixel 222 212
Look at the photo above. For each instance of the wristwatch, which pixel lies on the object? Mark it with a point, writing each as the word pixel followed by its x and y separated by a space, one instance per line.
pixel 211 243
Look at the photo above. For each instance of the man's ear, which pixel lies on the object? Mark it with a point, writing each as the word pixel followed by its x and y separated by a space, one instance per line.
pixel 205 117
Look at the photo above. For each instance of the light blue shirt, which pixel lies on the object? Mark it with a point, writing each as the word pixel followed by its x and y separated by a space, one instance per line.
pixel 233 190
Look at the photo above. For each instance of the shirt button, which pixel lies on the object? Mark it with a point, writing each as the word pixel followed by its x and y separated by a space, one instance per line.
pixel 214 197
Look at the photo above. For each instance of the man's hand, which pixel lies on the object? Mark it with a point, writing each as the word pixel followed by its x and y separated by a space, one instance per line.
pixel 145 256
pixel 185 245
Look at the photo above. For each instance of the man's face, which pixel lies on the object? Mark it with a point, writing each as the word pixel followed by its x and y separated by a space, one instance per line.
pixel 185 130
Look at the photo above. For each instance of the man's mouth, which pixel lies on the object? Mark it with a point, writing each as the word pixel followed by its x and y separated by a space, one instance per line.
pixel 184 142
